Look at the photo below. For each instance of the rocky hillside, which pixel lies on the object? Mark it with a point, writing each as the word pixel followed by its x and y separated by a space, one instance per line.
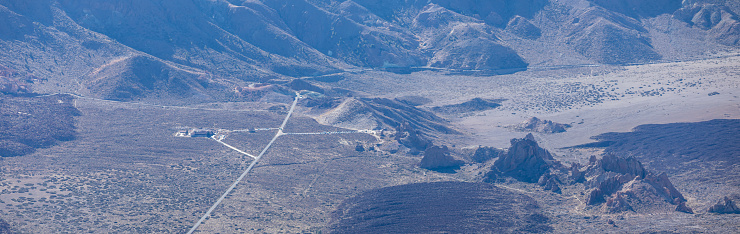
pixel 382 113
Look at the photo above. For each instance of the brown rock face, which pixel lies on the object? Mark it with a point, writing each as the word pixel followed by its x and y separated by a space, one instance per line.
pixel 576 175
pixel 627 166
pixel 525 161
pixel 725 206
pixel 605 188
pixel 439 159
pixel 664 186
pixel 618 203
pixel 681 207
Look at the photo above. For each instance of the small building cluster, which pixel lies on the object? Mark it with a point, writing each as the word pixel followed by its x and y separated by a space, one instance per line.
pixel 195 132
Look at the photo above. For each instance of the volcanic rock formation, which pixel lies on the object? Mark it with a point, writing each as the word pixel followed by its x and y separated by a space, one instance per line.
pixel 535 124
pixel 411 138
pixel 726 205
pixel 525 161
pixel 438 158
pixel 622 184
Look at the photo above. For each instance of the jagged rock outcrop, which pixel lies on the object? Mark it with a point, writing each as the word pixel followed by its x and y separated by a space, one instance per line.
pixel 525 161
pixel 726 205
pixel 575 173
pixel 550 182
pixel 438 158
pixel 623 184
pixel 535 124
pixel 484 153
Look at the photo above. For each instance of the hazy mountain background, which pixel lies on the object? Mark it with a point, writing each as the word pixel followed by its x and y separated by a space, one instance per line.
pixel 197 49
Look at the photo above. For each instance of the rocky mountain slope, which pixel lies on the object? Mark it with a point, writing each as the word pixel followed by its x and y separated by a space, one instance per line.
pixel 218 45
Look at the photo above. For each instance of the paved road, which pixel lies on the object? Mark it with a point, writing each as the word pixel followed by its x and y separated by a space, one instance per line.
pixel 233 185
pixel 321 133
pixel 234 148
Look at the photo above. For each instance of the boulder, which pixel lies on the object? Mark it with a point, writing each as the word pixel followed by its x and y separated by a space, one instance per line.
pixel 438 158
pixel 483 154
pixel 550 182
pixel 576 175
pixel 682 207
pixel 725 205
